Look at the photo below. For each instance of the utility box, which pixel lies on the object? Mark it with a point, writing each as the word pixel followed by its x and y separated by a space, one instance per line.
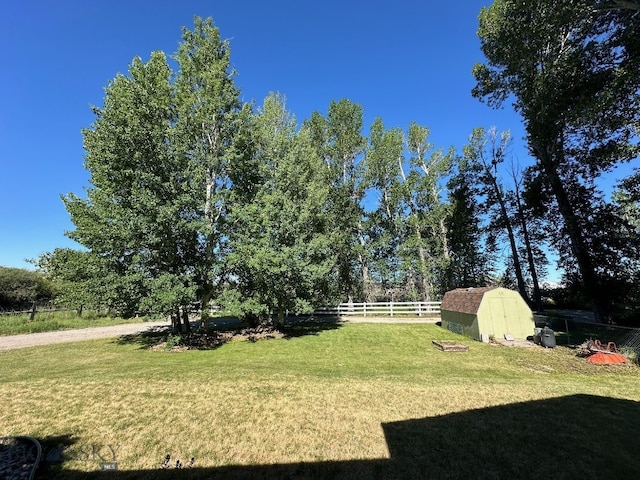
pixel 547 338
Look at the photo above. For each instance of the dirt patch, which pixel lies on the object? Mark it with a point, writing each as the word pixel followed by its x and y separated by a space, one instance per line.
pixel 516 342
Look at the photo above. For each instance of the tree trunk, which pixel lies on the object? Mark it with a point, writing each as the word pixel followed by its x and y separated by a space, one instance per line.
pixel 425 284
pixel 175 322
pixel 537 297
pixel 443 236
pixel 366 281
pixel 205 298
pixel 512 239
pixel 443 227
pixel 579 247
pixel 280 321
pixel 583 258
pixel 186 325
pixel 522 288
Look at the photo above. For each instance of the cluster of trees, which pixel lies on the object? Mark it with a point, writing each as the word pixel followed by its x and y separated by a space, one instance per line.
pixel 20 288
pixel 572 70
pixel 196 195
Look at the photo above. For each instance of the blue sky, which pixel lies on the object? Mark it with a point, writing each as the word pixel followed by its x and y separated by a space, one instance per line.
pixel 403 60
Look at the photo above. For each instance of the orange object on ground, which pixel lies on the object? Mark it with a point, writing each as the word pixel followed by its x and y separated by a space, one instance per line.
pixel 602 358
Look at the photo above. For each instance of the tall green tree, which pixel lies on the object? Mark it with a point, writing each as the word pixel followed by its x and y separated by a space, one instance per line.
pixel 128 218
pixel 212 141
pixel 339 142
pixel 407 228
pixel 426 242
pixel 572 69
pixel 384 222
pixel 280 249
pixel 156 154
pixel 627 205
pixel 532 234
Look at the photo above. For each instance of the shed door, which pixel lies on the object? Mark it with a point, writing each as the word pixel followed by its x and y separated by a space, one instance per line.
pixel 502 310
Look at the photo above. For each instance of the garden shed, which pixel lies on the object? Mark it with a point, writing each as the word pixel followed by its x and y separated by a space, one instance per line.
pixel 485 312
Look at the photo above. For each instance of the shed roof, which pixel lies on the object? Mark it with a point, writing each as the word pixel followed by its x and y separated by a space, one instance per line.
pixel 464 300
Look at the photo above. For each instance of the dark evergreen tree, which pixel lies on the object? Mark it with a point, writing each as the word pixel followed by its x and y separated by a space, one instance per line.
pixel 471 260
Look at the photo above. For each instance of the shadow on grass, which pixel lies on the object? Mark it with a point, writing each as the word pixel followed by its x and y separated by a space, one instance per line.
pixel 54 450
pixel 147 339
pixel 579 436
pixel 300 326
pixel 218 331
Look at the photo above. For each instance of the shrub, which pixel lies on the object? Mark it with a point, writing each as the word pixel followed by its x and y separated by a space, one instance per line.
pixel 19 288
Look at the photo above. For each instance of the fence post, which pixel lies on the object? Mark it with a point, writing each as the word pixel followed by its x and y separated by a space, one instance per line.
pixel 32 315
pixel 391 308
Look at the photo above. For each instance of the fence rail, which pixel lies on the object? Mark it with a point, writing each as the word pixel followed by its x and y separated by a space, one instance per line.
pixel 577 332
pixel 37 310
pixel 383 308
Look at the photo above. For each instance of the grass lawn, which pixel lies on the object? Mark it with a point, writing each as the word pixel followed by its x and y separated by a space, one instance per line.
pixel 53 321
pixel 354 401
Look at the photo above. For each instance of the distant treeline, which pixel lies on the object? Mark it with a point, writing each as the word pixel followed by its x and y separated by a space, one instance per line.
pixel 20 288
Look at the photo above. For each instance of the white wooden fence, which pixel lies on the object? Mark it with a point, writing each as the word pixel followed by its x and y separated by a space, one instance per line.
pixel 391 309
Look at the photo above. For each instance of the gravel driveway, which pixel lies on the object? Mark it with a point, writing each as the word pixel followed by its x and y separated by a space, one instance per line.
pixel 62 336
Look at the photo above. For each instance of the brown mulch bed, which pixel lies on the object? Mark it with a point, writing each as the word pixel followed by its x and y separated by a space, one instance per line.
pixel 214 339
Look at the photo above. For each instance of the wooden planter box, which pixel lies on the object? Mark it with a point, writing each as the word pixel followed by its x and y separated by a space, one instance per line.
pixel 450 346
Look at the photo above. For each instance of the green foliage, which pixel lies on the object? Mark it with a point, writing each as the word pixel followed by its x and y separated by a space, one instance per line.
pixel 406 233
pixel 339 143
pixel 427 230
pixel 194 196
pixel 172 341
pixel 78 276
pixel 485 152
pixel 631 354
pixel 279 248
pixel 157 154
pixel 166 291
pixel 19 288
pixel 385 226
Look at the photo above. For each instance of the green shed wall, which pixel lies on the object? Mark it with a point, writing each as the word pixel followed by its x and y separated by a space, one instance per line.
pixel 462 323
